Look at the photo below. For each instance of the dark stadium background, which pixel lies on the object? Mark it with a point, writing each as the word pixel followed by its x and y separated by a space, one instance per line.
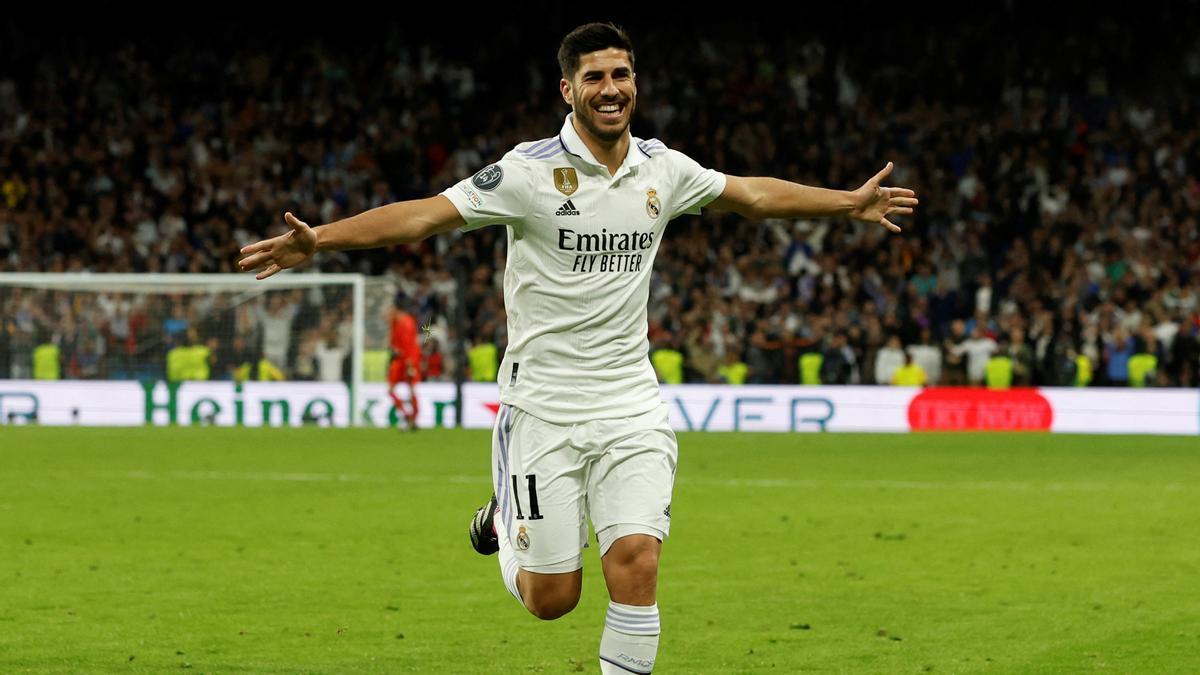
pixel 1054 150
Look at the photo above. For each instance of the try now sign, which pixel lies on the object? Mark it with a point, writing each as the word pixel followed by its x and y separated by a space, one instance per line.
pixel 966 409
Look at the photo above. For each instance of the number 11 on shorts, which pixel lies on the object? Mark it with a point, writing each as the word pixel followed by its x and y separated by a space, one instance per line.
pixel 534 514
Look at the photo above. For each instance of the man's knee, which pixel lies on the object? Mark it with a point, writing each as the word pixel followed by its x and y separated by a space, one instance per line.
pixel 549 596
pixel 631 569
pixel 550 607
pixel 638 554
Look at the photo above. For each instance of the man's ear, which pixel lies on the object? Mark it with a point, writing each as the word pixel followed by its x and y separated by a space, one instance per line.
pixel 564 87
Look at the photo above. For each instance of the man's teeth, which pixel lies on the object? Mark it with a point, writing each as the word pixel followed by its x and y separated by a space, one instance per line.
pixel 611 107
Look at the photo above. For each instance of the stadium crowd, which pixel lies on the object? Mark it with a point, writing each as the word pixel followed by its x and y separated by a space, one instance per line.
pixel 1057 241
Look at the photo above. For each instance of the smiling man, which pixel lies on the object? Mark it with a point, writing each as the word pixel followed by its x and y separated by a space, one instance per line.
pixel 582 431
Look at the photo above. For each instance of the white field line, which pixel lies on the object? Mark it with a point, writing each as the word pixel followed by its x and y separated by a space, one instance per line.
pixel 470 479
pixel 283 476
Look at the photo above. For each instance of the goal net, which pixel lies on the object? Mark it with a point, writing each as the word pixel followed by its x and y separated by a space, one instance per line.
pixel 200 348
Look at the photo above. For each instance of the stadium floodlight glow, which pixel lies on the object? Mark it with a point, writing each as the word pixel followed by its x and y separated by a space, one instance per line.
pixel 131 326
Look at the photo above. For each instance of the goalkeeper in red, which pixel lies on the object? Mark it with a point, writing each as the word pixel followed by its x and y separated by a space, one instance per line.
pixel 582 431
pixel 406 361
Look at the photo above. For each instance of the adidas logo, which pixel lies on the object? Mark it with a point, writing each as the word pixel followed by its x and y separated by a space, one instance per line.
pixel 567 209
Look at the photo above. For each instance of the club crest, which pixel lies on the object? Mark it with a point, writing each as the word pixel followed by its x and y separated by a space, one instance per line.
pixel 653 205
pixel 522 539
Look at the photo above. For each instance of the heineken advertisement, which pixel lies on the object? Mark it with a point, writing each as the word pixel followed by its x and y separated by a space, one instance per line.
pixel 131 403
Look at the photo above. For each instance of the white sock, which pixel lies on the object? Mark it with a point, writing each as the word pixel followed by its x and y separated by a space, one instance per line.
pixel 508 562
pixel 629 643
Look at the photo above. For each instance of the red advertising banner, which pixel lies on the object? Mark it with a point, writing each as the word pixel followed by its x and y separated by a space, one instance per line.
pixel 967 409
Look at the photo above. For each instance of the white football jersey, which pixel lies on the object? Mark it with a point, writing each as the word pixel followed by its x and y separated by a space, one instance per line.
pixel 581 243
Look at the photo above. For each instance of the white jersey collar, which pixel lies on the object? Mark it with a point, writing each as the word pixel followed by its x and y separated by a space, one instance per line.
pixel 574 145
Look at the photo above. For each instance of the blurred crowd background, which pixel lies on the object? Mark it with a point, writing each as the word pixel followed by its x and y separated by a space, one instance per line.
pixel 1056 158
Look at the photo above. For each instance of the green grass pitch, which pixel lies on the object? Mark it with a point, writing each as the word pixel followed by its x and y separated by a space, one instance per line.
pixel 345 551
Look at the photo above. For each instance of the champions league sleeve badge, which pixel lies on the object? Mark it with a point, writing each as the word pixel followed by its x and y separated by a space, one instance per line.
pixel 653 206
pixel 489 177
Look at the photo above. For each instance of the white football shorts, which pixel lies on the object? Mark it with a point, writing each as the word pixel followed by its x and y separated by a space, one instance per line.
pixel 550 478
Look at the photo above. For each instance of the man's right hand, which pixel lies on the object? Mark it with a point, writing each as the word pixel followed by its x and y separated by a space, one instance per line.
pixel 279 253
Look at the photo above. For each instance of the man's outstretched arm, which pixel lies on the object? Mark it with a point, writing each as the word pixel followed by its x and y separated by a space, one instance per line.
pixel 397 223
pixel 774 198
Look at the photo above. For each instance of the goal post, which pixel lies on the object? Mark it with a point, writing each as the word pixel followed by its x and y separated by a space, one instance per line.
pixel 188 328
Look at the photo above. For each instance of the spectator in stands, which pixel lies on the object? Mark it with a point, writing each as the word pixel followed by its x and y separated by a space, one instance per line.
pixel 483 361
pixel 275 321
pixel 20 328
pixel 733 371
pixel 235 359
pixel 1117 351
pixel 668 362
pixel 888 359
pixel 702 359
pixel 434 366
pixel 304 366
pixel 927 356
pixel 331 353
pixel 911 374
pixel 979 349
pixel 838 363
pixel 998 371
pixel 1022 358
pixel 954 355
pixel 764 352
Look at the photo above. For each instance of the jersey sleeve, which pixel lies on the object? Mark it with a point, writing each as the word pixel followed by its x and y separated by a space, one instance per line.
pixel 498 194
pixel 695 186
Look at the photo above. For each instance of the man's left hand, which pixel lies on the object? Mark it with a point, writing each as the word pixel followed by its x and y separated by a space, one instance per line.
pixel 873 203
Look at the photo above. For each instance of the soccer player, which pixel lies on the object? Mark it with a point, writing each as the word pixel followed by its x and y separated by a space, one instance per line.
pixel 582 430
pixel 406 360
